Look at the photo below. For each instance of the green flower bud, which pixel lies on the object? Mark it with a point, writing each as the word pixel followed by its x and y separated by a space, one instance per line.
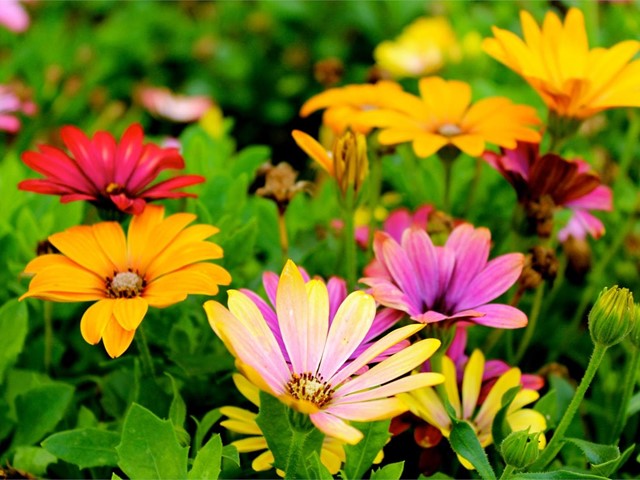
pixel 520 449
pixel 612 316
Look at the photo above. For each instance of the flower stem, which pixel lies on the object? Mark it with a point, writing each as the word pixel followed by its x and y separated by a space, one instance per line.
pixel 473 188
pixel 145 353
pixel 628 385
pixel 554 446
pixel 375 187
pixel 48 335
pixel 349 238
pixel 531 325
pixel 507 472
pixel 446 202
pixel 629 144
pixel 301 428
pixel 284 238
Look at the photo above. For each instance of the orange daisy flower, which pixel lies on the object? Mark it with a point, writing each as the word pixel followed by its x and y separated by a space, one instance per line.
pixel 443 115
pixel 158 264
pixel 572 79
pixel 344 105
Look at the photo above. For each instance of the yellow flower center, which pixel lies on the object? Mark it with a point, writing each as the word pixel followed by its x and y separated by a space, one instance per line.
pixel 449 130
pixel 125 285
pixel 309 387
pixel 114 189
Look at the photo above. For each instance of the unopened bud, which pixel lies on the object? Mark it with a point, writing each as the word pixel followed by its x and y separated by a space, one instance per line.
pixel 350 161
pixel 612 316
pixel 520 449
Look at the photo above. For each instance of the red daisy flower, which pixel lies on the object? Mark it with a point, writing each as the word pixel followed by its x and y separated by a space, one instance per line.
pixel 112 176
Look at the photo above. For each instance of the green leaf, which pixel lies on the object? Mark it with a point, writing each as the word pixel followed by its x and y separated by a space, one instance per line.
pixel 34 460
pixel 86 447
pixel 149 447
pixel 39 410
pixel 290 444
pixel 203 427
pixel 249 159
pixel 557 475
pixel 86 418
pixel 208 460
pixel 500 427
pixel 610 467
pixel 596 452
pixel 436 476
pixel 634 405
pixel 316 470
pixel 230 452
pixel 393 471
pixel 465 443
pixel 360 457
pixel 14 327
pixel 177 409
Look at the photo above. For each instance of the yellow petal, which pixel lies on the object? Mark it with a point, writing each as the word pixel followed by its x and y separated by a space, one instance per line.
pixel 247 389
pixel 250 444
pixel 312 148
pixel 451 384
pixel 471 383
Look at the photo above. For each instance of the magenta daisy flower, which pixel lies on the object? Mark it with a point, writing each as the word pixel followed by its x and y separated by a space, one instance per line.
pixel 111 176
pixel 454 282
pixel 549 182
pixel 312 373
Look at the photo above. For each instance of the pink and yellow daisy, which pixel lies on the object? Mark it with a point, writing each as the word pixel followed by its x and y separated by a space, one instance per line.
pixel 311 373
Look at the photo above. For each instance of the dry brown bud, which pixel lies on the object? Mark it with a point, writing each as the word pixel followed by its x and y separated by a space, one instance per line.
pixel 328 72
pixel 280 184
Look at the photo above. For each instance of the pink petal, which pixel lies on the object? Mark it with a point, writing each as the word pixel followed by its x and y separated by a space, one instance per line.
pixel 600 198
pixel 9 123
pixel 334 427
pixel 85 155
pixel 400 267
pixel 164 189
pixel 13 16
pixel 397 222
pixel 423 257
pixel 500 316
pixel 387 294
pixel 495 279
pixel 337 288
pixel 581 224
pixel 471 247
pixel 128 153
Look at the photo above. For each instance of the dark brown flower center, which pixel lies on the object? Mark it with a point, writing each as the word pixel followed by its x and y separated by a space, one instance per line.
pixel 310 387
pixel 124 285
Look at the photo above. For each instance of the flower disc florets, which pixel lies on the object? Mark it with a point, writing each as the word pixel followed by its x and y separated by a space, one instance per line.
pixel 310 387
pixel 125 285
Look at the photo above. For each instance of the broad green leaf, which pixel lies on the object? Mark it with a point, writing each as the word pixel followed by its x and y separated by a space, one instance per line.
pixel 500 427
pixel 230 452
pixel 34 460
pixel 14 326
pixel 290 445
pixel 465 443
pixel 634 405
pixel 249 159
pixel 203 427
pixel 608 468
pixel 85 447
pixel 86 418
pixel 316 470
pixel 149 447
pixel 596 452
pixel 208 460
pixel 557 475
pixel 177 409
pixel 39 410
pixel 360 457
pixel 393 471
pixel 436 476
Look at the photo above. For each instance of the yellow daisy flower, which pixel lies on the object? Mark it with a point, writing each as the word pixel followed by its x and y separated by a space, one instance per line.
pixel 427 404
pixel 443 116
pixel 573 80
pixel 344 105
pixel 158 264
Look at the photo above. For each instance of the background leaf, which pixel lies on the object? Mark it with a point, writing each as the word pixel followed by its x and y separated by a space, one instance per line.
pixel 360 457
pixel 393 471
pixel 149 447
pixel 465 443
pixel 86 447
pixel 14 327
pixel 208 461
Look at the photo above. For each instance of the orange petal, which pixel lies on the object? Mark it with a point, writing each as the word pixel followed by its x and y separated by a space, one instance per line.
pixel 129 312
pixel 111 239
pixel 312 148
pixel 80 245
pixel 95 320
pixel 139 233
pixel 116 339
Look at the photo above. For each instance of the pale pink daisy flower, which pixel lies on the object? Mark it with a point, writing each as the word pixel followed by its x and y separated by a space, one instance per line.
pixel 454 282
pixel 162 102
pixel 10 107
pixel 311 373
pixel 13 15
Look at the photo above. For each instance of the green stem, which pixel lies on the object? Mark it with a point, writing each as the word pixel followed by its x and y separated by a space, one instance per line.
pixel 507 473
pixel 629 144
pixel 284 238
pixel 628 387
pixel 554 446
pixel 475 182
pixel 531 325
pixel 301 428
pixel 145 353
pixel 448 167
pixel 375 187
pixel 349 238
pixel 48 335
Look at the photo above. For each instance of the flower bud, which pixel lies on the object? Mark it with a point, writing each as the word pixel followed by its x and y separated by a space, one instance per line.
pixel 612 316
pixel 350 161
pixel 520 449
